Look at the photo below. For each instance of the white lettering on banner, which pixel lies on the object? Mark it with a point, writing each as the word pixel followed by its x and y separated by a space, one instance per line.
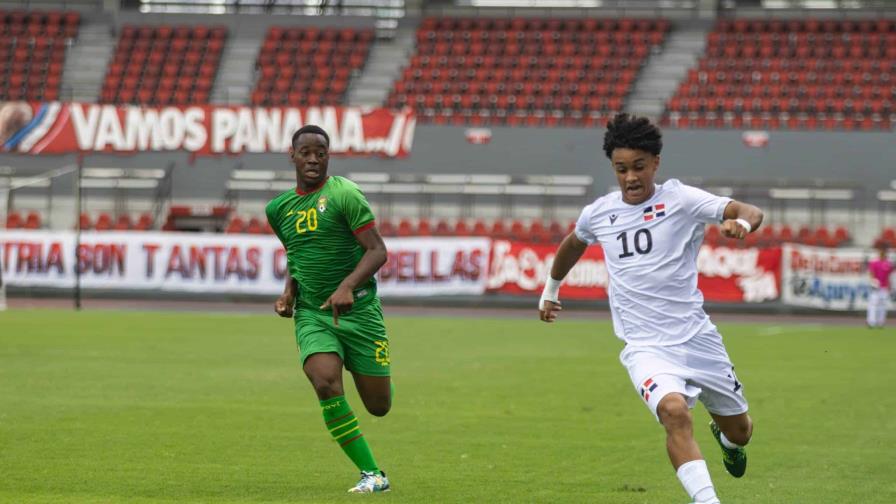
pixel 244 137
pixel 85 126
pixel 213 263
pixel 195 129
pixel 291 123
pixel 408 140
pixel 528 271
pixel 726 262
pixel 142 127
pixel 326 118
pixel 393 143
pixel 758 288
pixel 109 130
pixel 172 126
pixel 267 130
pixel 224 123
pixel 352 130
pixel 210 130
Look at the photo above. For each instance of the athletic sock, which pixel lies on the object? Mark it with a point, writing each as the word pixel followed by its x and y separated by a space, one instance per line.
pixel 726 443
pixel 343 426
pixel 694 477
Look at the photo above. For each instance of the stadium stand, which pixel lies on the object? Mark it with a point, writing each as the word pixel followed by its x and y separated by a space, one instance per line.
pixel 164 64
pixel 811 74
pixel 309 66
pixel 771 235
pixel 32 52
pixel 524 71
pixel 887 237
pixel 553 232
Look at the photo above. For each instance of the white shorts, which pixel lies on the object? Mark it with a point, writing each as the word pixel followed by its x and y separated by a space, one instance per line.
pixel 699 368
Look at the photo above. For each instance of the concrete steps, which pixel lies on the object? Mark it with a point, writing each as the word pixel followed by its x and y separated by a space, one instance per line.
pixel 659 79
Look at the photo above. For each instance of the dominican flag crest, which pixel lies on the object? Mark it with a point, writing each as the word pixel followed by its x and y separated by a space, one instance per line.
pixel 647 387
pixel 654 211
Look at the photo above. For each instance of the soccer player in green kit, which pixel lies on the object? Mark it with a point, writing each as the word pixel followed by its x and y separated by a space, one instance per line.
pixel 333 250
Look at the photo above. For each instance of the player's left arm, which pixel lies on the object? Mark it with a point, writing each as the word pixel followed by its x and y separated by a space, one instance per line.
pixel 374 257
pixel 740 219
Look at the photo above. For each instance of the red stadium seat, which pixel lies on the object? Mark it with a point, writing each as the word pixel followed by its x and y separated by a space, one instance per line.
pixel 103 222
pixel 14 220
pixel 423 228
pixel 236 225
pixel 123 223
pixel 512 74
pixel 386 228
pixel 144 222
pixel 255 226
pixel 405 228
pixel 442 229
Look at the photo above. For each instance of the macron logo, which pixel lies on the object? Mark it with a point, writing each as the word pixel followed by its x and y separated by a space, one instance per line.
pixel 613 219
pixel 334 405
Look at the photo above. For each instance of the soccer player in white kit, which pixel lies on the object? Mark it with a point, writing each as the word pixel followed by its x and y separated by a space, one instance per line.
pixel 651 234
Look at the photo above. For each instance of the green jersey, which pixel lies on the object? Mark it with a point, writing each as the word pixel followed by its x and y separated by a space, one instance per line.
pixel 318 231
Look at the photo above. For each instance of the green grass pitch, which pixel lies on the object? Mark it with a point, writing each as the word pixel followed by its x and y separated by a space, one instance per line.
pixel 108 407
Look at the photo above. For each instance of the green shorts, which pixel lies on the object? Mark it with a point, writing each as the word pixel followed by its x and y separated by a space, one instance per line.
pixel 360 339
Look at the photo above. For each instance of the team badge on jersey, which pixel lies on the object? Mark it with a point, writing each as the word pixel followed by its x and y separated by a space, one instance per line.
pixel 322 204
pixel 647 387
pixel 654 211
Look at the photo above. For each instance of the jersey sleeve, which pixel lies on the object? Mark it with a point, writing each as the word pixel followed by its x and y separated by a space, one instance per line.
pixel 270 210
pixel 356 209
pixel 703 206
pixel 583 226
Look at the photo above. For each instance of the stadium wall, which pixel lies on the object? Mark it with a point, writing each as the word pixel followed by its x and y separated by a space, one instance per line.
pixel 865 158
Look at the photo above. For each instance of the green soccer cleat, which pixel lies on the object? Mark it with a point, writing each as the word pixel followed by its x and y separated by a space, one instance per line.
pixel 735 459
pixel 371 482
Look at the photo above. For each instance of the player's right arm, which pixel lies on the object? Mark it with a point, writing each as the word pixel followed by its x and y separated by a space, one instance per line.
pixel 284 304
pixel 568 254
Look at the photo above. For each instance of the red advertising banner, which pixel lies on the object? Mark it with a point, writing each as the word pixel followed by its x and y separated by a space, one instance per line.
pixel 725 275
pixel 60 128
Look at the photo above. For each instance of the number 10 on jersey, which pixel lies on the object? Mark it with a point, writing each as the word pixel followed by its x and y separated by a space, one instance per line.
pixel 643 243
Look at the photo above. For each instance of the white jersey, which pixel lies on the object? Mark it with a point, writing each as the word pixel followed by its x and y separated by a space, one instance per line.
pixel 651 254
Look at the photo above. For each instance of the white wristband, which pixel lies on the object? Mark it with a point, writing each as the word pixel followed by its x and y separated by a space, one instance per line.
pixel 745 224
pixel 550 293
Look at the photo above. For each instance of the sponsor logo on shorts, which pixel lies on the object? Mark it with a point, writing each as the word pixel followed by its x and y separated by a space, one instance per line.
pixel 382 353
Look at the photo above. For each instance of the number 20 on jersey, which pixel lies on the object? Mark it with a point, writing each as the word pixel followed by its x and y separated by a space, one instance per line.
pixel 306 220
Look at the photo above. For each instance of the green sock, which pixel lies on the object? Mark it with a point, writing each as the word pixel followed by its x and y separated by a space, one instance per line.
pixel 343 426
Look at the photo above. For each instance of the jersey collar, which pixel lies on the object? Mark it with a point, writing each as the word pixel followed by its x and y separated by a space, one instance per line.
pixel 313 189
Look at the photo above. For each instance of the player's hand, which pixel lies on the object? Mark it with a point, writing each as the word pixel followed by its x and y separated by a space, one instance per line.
pixel 340 301
pixel 732 229
pixel 283 305
pixel 549 311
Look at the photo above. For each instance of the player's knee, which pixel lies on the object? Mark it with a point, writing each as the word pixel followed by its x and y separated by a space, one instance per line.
pixel 326 386
pixel 673 412
pixel 379 409
pixel 740 433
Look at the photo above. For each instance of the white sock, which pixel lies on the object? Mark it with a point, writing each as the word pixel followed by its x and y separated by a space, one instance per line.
pixel 694 477
pixel 728 444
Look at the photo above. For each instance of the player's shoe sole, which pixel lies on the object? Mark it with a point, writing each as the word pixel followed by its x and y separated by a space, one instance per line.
pixel 735 459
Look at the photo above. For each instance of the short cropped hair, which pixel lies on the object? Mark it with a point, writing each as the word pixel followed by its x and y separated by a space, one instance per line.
pixel 310 128
pixel 625 131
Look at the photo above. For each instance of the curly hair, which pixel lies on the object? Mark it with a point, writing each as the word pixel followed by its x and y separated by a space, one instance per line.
pixel 629 132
